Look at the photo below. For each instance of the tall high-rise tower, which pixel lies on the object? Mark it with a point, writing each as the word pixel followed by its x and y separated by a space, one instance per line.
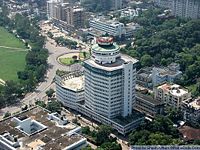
pixel 182 8
pixel 109 80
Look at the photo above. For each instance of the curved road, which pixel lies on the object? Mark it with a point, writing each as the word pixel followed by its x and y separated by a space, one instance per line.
pixel 40 90
pixel 54 52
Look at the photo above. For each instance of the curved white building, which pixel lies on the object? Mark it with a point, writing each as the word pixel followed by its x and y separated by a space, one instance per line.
pixel 70 89
pixel 109 80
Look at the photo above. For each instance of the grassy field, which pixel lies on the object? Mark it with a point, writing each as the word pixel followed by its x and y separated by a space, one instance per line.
pixel 12 60
pixel 8 39
pixel 68 60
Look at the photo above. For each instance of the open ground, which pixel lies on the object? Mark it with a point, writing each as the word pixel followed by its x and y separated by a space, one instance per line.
pixel 12 55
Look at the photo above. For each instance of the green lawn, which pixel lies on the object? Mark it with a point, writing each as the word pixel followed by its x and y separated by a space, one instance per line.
pixel 70 61
pixel 8 39
pixel 11 60
pixel 66 61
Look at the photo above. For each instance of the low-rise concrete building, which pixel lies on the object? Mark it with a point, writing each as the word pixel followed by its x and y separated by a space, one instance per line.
pixel 70 89
pixel 191 109
pixel 148 105
pixel 165 74
pixel 113 28
pixel 38 129
pixel 153 76
pixel 171 94
pixel 144 77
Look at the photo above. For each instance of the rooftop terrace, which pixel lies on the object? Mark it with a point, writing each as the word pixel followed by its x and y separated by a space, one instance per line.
pixel 75 83
pixel 148 99
pixel 174 89
pixel 129 119
pixel 112 66
pixel 54 137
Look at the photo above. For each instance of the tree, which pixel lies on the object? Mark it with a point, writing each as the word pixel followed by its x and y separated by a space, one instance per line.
pixel 161 139
pixel 54 106
pixel 75 121
pixel 50 35
pixel 50 93
pixel 139 137
pixel 7 114
pixel 110 146
pixel 84 54
pixel 146 60
pixel 87 148
pixel 103 134
pixel 86 130
pixel 41 104
pixel 174 114
pixel 12 92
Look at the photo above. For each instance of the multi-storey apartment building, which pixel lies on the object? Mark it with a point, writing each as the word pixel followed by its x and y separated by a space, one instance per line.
pixel 75 16
pixel 182 8
pixel 116 4
pixel 50 8
pixel 148 105
pixel 165 74
pixel 191 109
pixel 113 28
pixel 59 11
pixel 164 3
pixel 109 80
pixel 109 88
pixel 171 94
pixel 186 8
pixel 153 76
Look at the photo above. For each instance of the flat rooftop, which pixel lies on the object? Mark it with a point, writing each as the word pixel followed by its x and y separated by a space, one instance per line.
pixel 166 71
pixel 107 21
pixel 194 103
pixel 53 137
pixel 113 66
pixel 129 119
pixel 74 83
pixel 174 89
pixel 148 99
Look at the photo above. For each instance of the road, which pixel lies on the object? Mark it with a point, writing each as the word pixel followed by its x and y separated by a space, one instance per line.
pixel 39 93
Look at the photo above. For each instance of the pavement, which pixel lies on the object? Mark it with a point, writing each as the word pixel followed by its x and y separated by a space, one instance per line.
pixel 39 93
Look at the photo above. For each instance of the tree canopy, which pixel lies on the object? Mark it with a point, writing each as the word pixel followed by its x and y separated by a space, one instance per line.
pixel 36 58
pixel 158 132
pixel 163 41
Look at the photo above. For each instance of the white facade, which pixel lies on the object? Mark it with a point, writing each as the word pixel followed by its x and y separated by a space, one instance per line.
pixel 172 94
pixel 109 82
pixel 50 8
pixel 70 90
pixel 164 3
pixel 165 74
pixel 182 8
pixel 111 27
pixel 186 8
pixel 116 4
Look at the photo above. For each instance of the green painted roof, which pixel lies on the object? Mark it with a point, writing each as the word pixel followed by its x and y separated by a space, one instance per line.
pixel 113 47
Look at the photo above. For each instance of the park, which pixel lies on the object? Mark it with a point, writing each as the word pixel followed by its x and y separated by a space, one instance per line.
pixel 12 55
